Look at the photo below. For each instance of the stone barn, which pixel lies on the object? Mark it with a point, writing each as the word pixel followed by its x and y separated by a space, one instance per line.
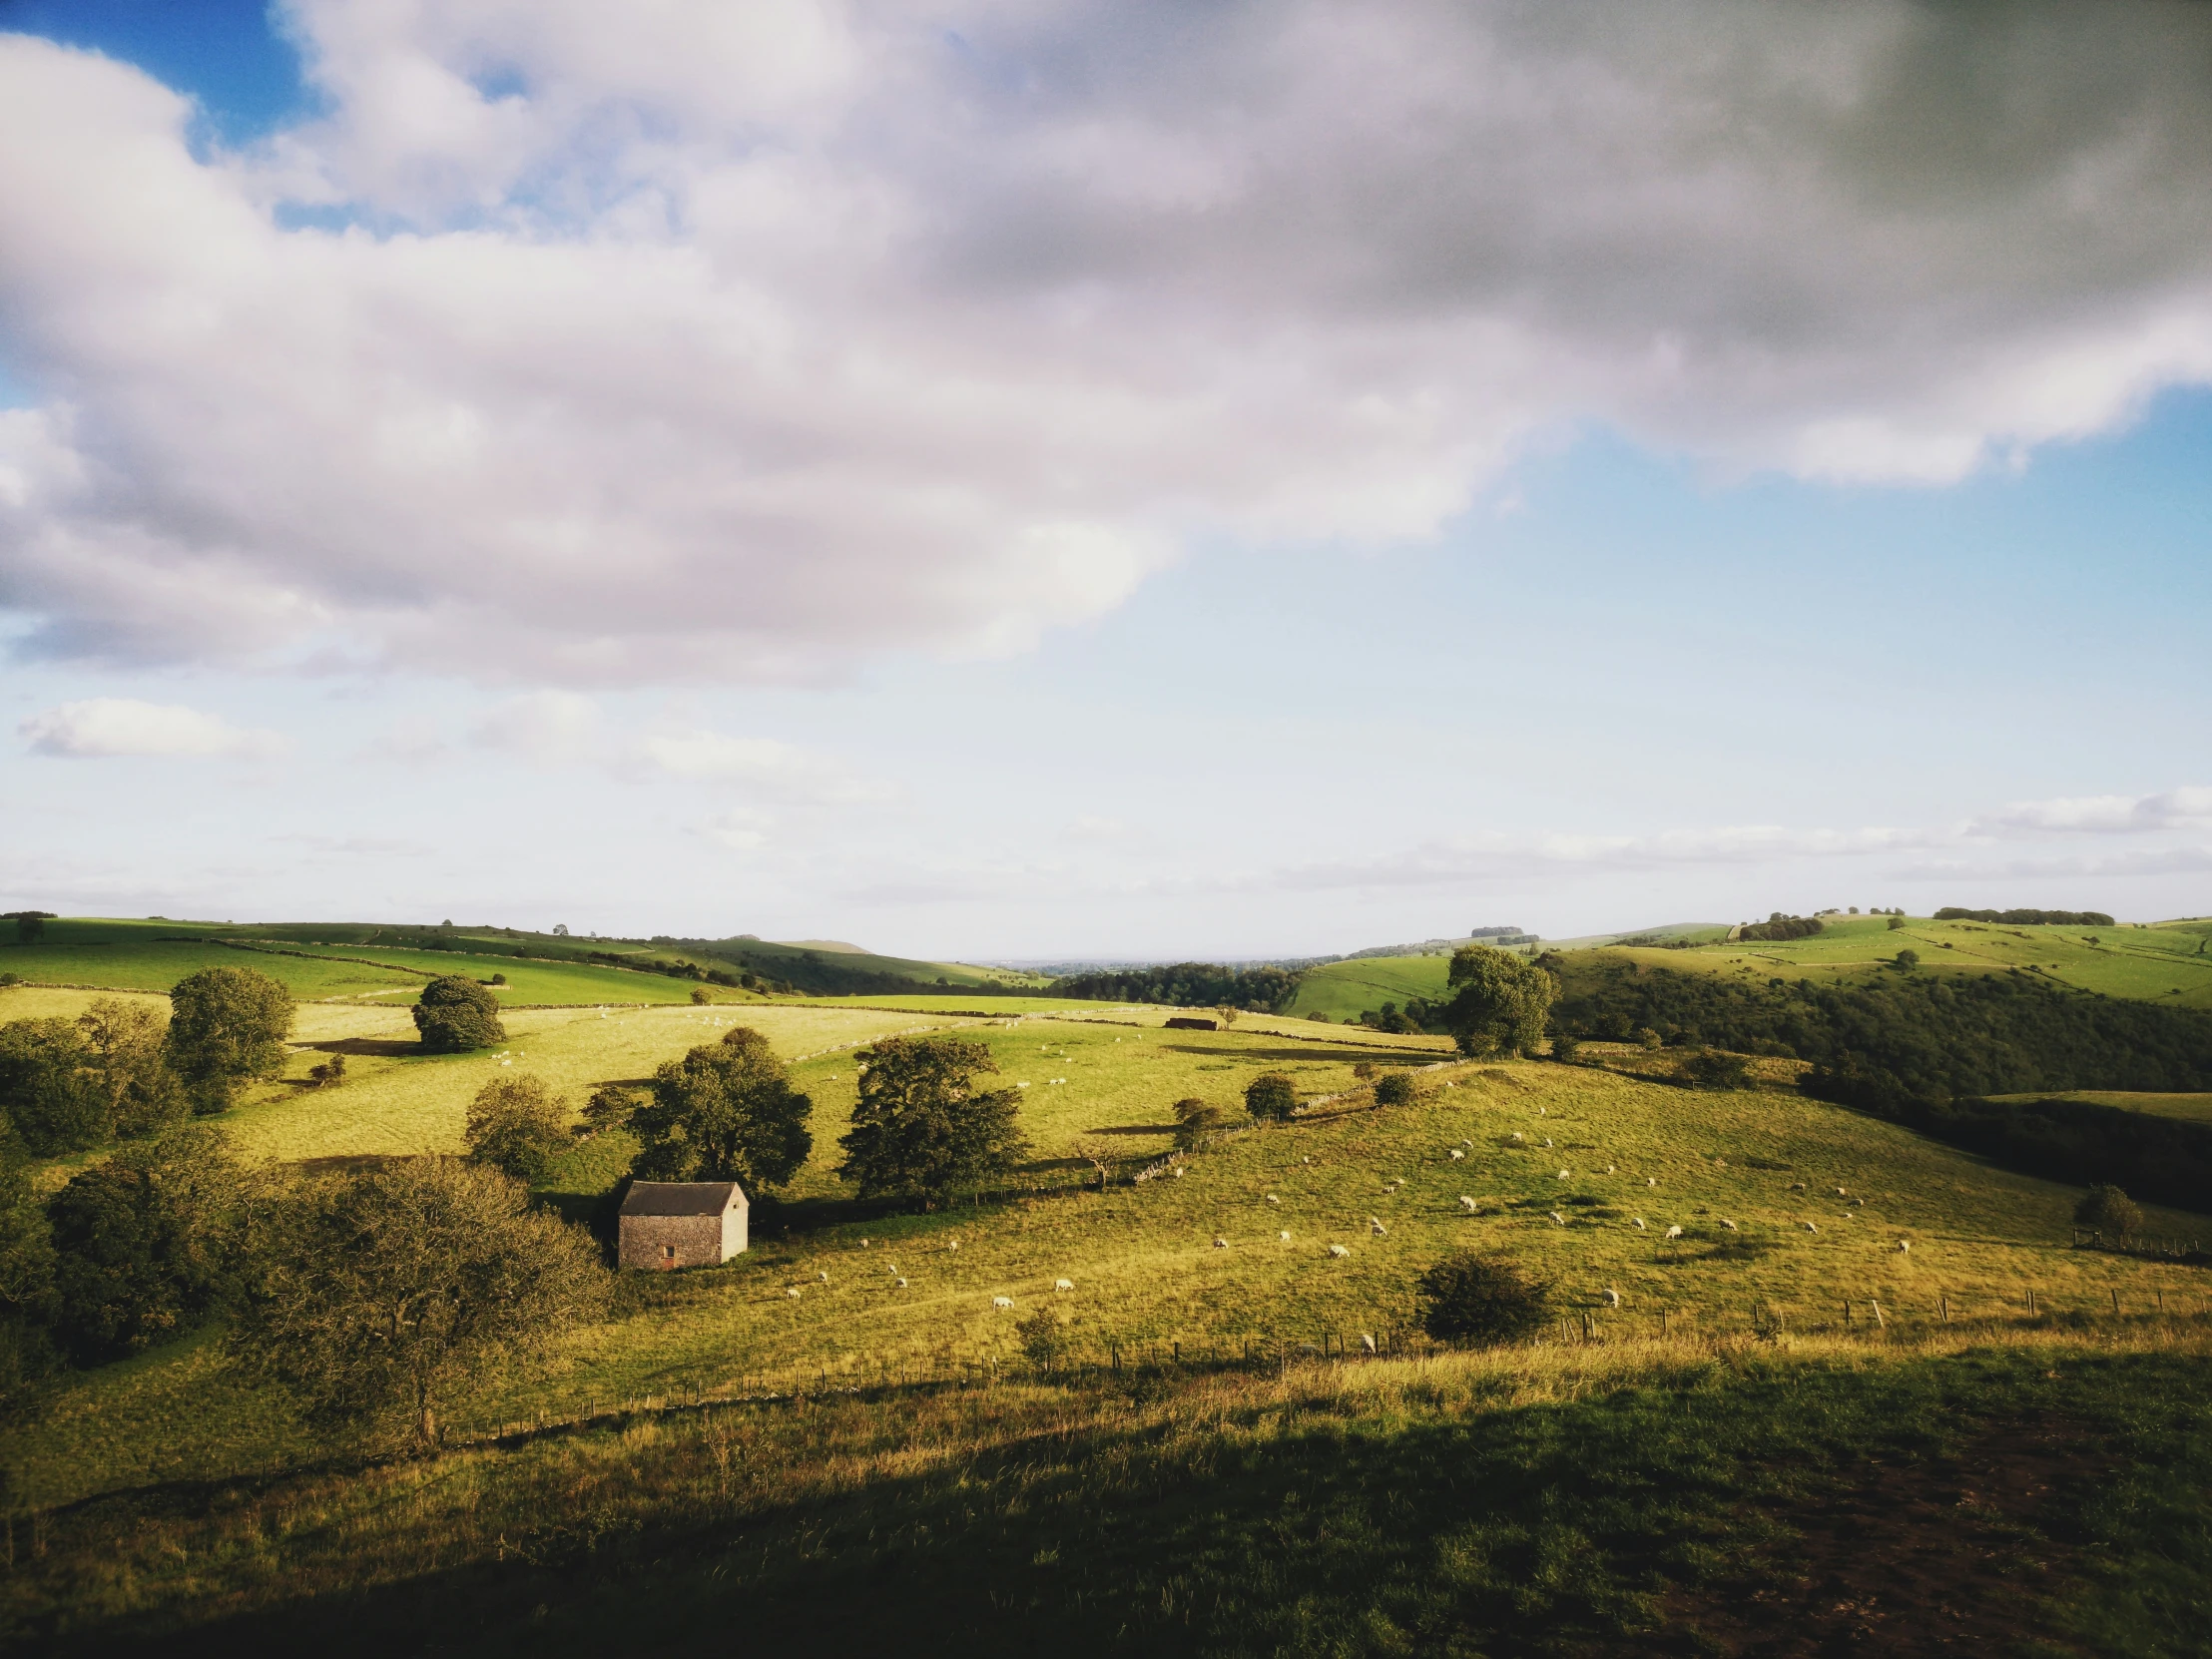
pixel 682 1224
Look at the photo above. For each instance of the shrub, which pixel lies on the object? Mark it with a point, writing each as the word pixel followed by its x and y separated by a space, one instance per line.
pixel 1364 1070
pixel 1396 1089
pixel 610 1107
pixel 516 1125
pixel 1896 923
pixel 1716 1068
pixel 46 1086
pixel 1481 1301
pixel 1907 961
pixel 1566 1046
pixel 1272 1097
pixel 328 1074
pixel 1645 1035
pixel 701 995
pixel 140 1091
pixel 1196 1122
pixel 456 1015
pixel 2109 1210
pixel 1045 1340
pixel 226 1027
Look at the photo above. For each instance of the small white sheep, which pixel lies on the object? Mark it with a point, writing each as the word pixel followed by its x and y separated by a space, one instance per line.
pixel 1467 1143
pixel 1904 1245
pixel 1562 1174
pixel 1457 1155
pixel 1339 1252
pixel 1518 1136
pixel 1674 1231
pixel 1285 1237
pixel 1637 1222
pixel 1809 1228
pixel 1558 1218
pixel 952 1243
pixel 1376 1228
pixel 1063 1283
pixel 1003 1302
pixel 823 1277
pixel 902 1283
pixel 1731 1226
pixel 1547 1140
pixel 1178 1172
pixel 1221 1243
pixel 1651 1181
pixel 1839 1192
pixel 1608 1169
pixel 1272 1199
pixel 1467 1204
pixel 1366 1343
pixel 792 1290
pixel 1611 1296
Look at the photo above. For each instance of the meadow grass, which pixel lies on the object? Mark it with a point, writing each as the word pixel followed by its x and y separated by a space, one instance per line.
pixel 1142 1258
pixel 1620 1497
pixel 2191 1108
pixel 1345 990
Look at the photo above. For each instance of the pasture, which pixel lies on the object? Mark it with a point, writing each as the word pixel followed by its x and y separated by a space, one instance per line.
pixel 1560 1161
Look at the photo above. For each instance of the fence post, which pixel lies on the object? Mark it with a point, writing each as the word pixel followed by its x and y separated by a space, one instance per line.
pixel 1880 1324
pixel 2115 1299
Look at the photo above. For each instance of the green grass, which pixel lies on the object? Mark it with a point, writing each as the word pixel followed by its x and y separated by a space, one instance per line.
pixel 1625 1498
pixel 2167 962
pixel 2192 1108
pixel 1345 990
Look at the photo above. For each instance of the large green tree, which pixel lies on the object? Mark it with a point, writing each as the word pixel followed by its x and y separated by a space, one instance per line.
pixel 145 1243
pixel 726 1111
pixel 226 1027
pixel 47 1086
pixel 1498 1002
pixel 516 1125
pixel 380 1299
pixel 128 1052
pixel 456 1015
pixel 26 1281
pixel 922 1128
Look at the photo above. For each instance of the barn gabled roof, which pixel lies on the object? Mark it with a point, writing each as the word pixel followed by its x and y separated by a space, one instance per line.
pixel 680 1198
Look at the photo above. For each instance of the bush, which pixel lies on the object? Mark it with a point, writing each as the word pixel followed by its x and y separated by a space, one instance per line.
pixel 1481 1301
pixel 516 1126
pixel 1645 1035
pixel 1896 923
pixel 1566 1046
pixel 1272 1097
pixel 1196 1122
pixel 2109 1210
pixel 1045 1340
pixel 1715 1068
pixel 1364 1070
pixel 1907 960
pixel 456 1014
pixel 701 995
pixel 46 1086
pixel 1396 1089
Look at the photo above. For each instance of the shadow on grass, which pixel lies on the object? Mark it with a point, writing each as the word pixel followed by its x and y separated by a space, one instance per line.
pixel 1642 1521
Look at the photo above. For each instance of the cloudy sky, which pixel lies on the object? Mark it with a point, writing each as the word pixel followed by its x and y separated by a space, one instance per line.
pixel 1029 478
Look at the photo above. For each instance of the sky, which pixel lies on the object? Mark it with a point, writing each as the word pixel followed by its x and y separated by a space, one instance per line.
pixel 1008 479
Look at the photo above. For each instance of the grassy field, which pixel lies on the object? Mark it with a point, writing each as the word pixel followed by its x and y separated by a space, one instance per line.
pixel 1142 1258
pixel 1343 990
pixel 2193 1108
pixel 2165 962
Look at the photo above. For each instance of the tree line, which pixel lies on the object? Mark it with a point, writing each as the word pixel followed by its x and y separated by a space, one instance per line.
pixel 2027 918
pixel 1260 990
pixel 1779 926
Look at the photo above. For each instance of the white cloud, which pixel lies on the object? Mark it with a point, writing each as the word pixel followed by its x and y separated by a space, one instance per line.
pixel 2121 814
pixel 689 341
pixel 103 727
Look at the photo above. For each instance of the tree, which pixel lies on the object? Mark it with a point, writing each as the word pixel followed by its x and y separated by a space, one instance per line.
pixel 725 1112
pixel 1045 1338
pixel 701 995
pixel 1499 1001
pixel 1272 1097
pixel 380 1298
pixel 30 926
pixel 456 1015
pixel 127 1051
pixel 1897 923
pixel 517 1126
pixel 1197 1122
pixel 226 1027
pixel 921 1128
pixel 611 1106
pixel 2109 1210
pixel 1907 960
pixel 1481 1301
pixel 1565 1045
pixel 1396 1089
pixel 47 1087
pixel 145 1243
pixel 27 1301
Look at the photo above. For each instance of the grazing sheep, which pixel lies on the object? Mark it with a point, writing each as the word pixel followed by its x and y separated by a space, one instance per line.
pixel 1063 1283
pixel 1518 1136
pixel 1003 1302
pixel 1221 1243
pixel 1562 1174
pixel 1839 1192
pixel 1547 1140
pixel 1457 1155
pixel 1285 1237
pixel 1904 1245
pixel 1467 1204
pixel 823 1277
pixel 1809 1227
pixel 1272 1199
pixel 1558 1218
pixel 1339 1252
pixel 792 1290
pixel 1858 1204
pixel 1469 1143
pixel 1608 1169
pixel 1651 1181
pixel 952 1243
pixel 1731 1226
pixel 1376 1228
pixel 1637 1222
pixel 1178 1172
pixel 1366 1343
pixel 902 1283
pixel 1797 1186
pixel 1611 1296
pixel 1674 1231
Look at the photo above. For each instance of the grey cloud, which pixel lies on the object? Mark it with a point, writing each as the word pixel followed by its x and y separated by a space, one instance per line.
pixel 745 342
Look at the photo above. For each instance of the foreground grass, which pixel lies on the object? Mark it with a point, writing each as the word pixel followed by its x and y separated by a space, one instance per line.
pixel 1558 1500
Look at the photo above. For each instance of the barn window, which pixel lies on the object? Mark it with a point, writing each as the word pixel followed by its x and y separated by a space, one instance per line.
pixel 668 1253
